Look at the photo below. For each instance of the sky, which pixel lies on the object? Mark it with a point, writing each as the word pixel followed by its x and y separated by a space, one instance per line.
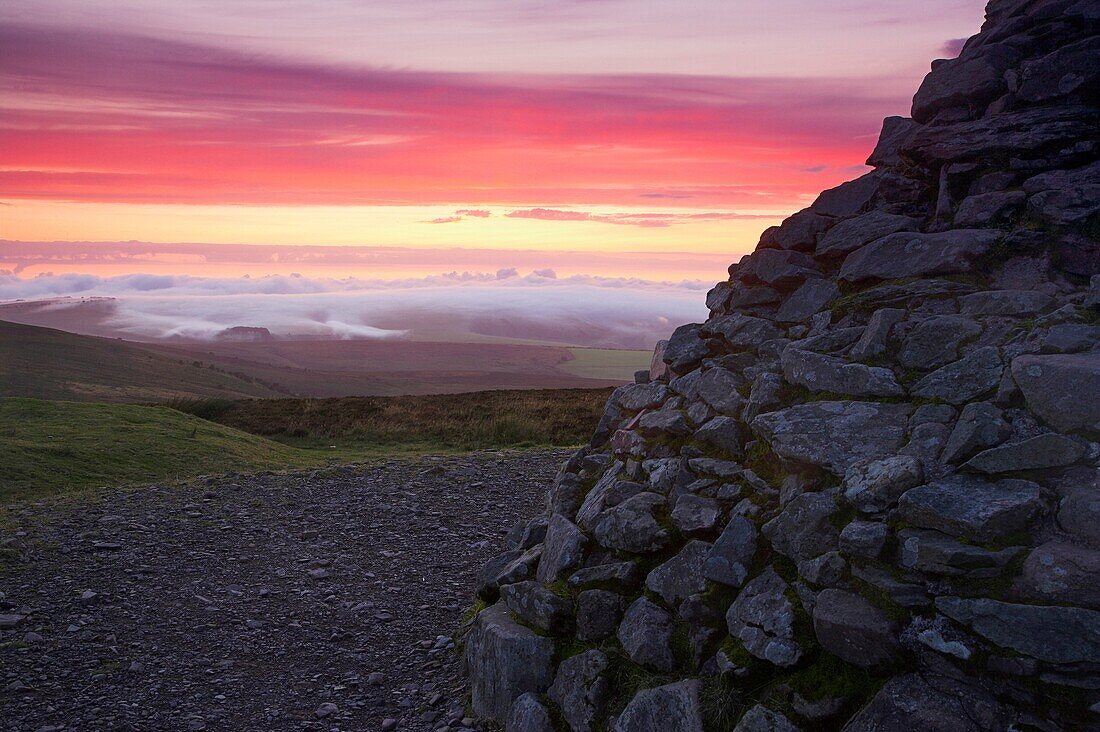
pixel 583 130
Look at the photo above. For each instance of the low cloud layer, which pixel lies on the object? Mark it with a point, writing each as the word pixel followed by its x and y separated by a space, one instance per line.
pixel 581 309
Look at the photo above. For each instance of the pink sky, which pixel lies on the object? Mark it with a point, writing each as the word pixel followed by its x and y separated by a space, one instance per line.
pixel 502 125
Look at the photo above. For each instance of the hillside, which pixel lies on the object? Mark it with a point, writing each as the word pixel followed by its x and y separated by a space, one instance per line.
pixel 863 494
pixel 43 363
pixel 53 447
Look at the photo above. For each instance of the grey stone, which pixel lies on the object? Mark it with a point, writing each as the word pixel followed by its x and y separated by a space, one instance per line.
pixel 965 380
pixel 853 629
pixel 723 433
pixel 670 708
pixel 696 514
pixel 933 552
pixel 658 369
pixel 851 234
pixel 1079 514
pixel 761 719
pixel 834 434
pixel 598 614
pixel 783 270
pixel 980 425
pixel 522 567
pixel 537 605
pixel 911 254
pixel 798 231
pixel 763 396
pixel 562 550
pixel 826 570
pixel 864 538
pixel 528 715
pixel 848 198
pixel 908 294
pixel 504 660
pixel 895 131
pixel 1062 573
pixel 1060 635
pixel 682 575
pixel 1062 390
pixel 906 592
pixel 970 81
pixel 762 618
pixel 988 209
pixel 718 388
pixel 741 332
pixel 664 422
pixel 806 300
pixel 580 690
pixel 972 507
pixel 1071 338
pixel 930 704
pixel 876 335
pixel 826 373
pixel 803 529
pixel 1049 450
pixel 646 635
pixel 875 485
pixel 685 349
pixel 1018 303
pixel 935 413
pixel 935 342
pixel 732 554
pixel 631 526
pixel 636 397
pixel 1069 68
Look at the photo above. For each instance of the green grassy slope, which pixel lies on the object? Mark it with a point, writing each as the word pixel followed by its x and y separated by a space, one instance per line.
pixel 43 363
pixel 52 447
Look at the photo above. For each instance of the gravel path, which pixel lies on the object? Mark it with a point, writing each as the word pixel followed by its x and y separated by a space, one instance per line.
pixel 322 600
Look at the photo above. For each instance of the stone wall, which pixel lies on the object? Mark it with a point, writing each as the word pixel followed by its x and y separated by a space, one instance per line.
pixel 864 493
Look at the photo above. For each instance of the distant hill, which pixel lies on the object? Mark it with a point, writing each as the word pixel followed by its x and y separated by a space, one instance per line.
pixel 51 364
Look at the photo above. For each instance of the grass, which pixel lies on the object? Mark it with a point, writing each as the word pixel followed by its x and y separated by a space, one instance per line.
pixel 606 363
pixel 364 426
pixel 49 448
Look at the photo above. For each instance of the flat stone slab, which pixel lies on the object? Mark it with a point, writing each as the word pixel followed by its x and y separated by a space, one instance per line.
pixel 1063 390
pixel 972 507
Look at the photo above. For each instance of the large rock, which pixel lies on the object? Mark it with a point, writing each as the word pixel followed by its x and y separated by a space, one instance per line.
pixel 528 715
pixel 1060 635
pixel 646 635
pixel 562 549
pixel 762 719
pixel 935 342
pixel 980 425
pixel 971 81
pixel 803 529
pixel 504 660
pixel 975 508
pixel 826 373
pixel 685 349
pixel 1040 452
pixel 969 378
pixel 537 605
pixel 632 526
pixel 580 690
pixel 930 704
pixel 834 434
pixel 853 233
pixel 813 296
pixel 910 254
pixel 853 629
pixel 682 575
pixel 762 618
pixel 731 556
pixel 1062 573
pixel 598 614
pixel 781 269
pixel 718 388
pixel 740 331
pixel 1063 390
pixel 670 708
pixel 936 553
pixel 875 485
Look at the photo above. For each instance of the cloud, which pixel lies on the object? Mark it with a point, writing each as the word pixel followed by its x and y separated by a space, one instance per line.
pixel 547 273
pixel 445 220
pixel 647 220
pixel 477 213
pixel 953 47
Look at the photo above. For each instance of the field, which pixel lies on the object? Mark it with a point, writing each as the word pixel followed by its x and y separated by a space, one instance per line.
pixel 43 363
pixel 51 447
pixel 606 363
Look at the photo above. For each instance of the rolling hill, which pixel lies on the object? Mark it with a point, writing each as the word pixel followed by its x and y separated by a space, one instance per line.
pixel 43 363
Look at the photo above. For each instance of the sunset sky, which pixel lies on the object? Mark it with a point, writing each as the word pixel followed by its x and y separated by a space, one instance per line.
pixel 562 124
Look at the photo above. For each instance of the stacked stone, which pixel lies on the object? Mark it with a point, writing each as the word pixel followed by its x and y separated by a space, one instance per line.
pixel 865 491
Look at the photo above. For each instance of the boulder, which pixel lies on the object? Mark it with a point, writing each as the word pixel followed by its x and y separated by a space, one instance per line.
pixel 910 254
pixel 935 342
pixel 1016 303
pixel 580 690
pixel 971 81
pixel 503 661
pixel 975 508
pixel 1041 452
pixel 1063 390
pixel 528 715
pixel 696 514
pixel 684 349
pixel 1079 514
pixel 803 529
pixel 988 209
pixel 864 538
pixel 731 556
pixel 664 422
pixel 848 198
pixel 980 425
pixel 854 630
pixel 936 553
pixel 636 397
pixel 783 270
pixel 761 719
pixel 741 332
pixel 718 388
pixel 723 433
pixel 682 575
pixel 808 299
pixel 834 434
pixel 598 614
pixel 930 704
pixel 670 708
pixel 875 485
pixel 875 337
pixel 1063 574
pixel 971 377
pixel 538 606
pixel 1059 635
pixel 631 526
pixel 646 635
pixel 826 373
pixel 895 131
pixel 562 550
pixel 851 234
pixel 762 618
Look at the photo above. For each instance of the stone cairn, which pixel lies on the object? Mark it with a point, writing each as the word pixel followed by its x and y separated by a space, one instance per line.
pixel 864 493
